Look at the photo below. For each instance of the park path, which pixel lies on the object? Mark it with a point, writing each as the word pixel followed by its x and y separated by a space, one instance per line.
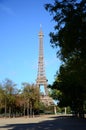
pixel 48 122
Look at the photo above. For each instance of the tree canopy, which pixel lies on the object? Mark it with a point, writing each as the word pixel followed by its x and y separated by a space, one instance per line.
pixel 70 36
pixel 70 28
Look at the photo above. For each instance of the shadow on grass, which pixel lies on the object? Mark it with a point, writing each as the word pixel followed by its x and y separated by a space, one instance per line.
pixel 53 123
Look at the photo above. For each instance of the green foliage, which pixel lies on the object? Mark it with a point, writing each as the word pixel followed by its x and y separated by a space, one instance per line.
pixel 18 102
pixel 55 93
pixel 70 37
pixel 7 96
pixel 70 28
pixel 1 96
pixel 31 96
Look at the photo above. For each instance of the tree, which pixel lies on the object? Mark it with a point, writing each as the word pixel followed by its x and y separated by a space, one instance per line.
pixel 1 97
pixel 70 28
pixel 70 37
pixel 31 98
pixel 9 95
pixel 55 93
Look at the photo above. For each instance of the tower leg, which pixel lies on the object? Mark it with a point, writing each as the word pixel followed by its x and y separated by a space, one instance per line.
pixel 46 89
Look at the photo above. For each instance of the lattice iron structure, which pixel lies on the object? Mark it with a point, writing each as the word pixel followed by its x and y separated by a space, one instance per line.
pixel 41 77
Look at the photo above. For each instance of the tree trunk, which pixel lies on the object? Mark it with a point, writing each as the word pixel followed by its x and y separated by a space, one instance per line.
pixel 5 107
pixel 27 109
pixel 9 112
pixel 24 109
pixel 81 111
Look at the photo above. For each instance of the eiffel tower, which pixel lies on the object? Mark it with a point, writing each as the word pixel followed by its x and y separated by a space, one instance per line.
pixel 41 77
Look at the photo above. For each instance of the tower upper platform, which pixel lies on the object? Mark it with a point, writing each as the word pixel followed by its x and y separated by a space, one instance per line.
pixel 41 32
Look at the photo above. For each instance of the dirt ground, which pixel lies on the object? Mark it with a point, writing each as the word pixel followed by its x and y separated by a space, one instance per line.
pixel 45 122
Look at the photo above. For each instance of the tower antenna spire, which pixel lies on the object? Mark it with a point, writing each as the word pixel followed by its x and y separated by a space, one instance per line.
pixel 40 27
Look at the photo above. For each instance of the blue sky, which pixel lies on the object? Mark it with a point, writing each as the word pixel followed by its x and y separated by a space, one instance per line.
pixel 19 27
